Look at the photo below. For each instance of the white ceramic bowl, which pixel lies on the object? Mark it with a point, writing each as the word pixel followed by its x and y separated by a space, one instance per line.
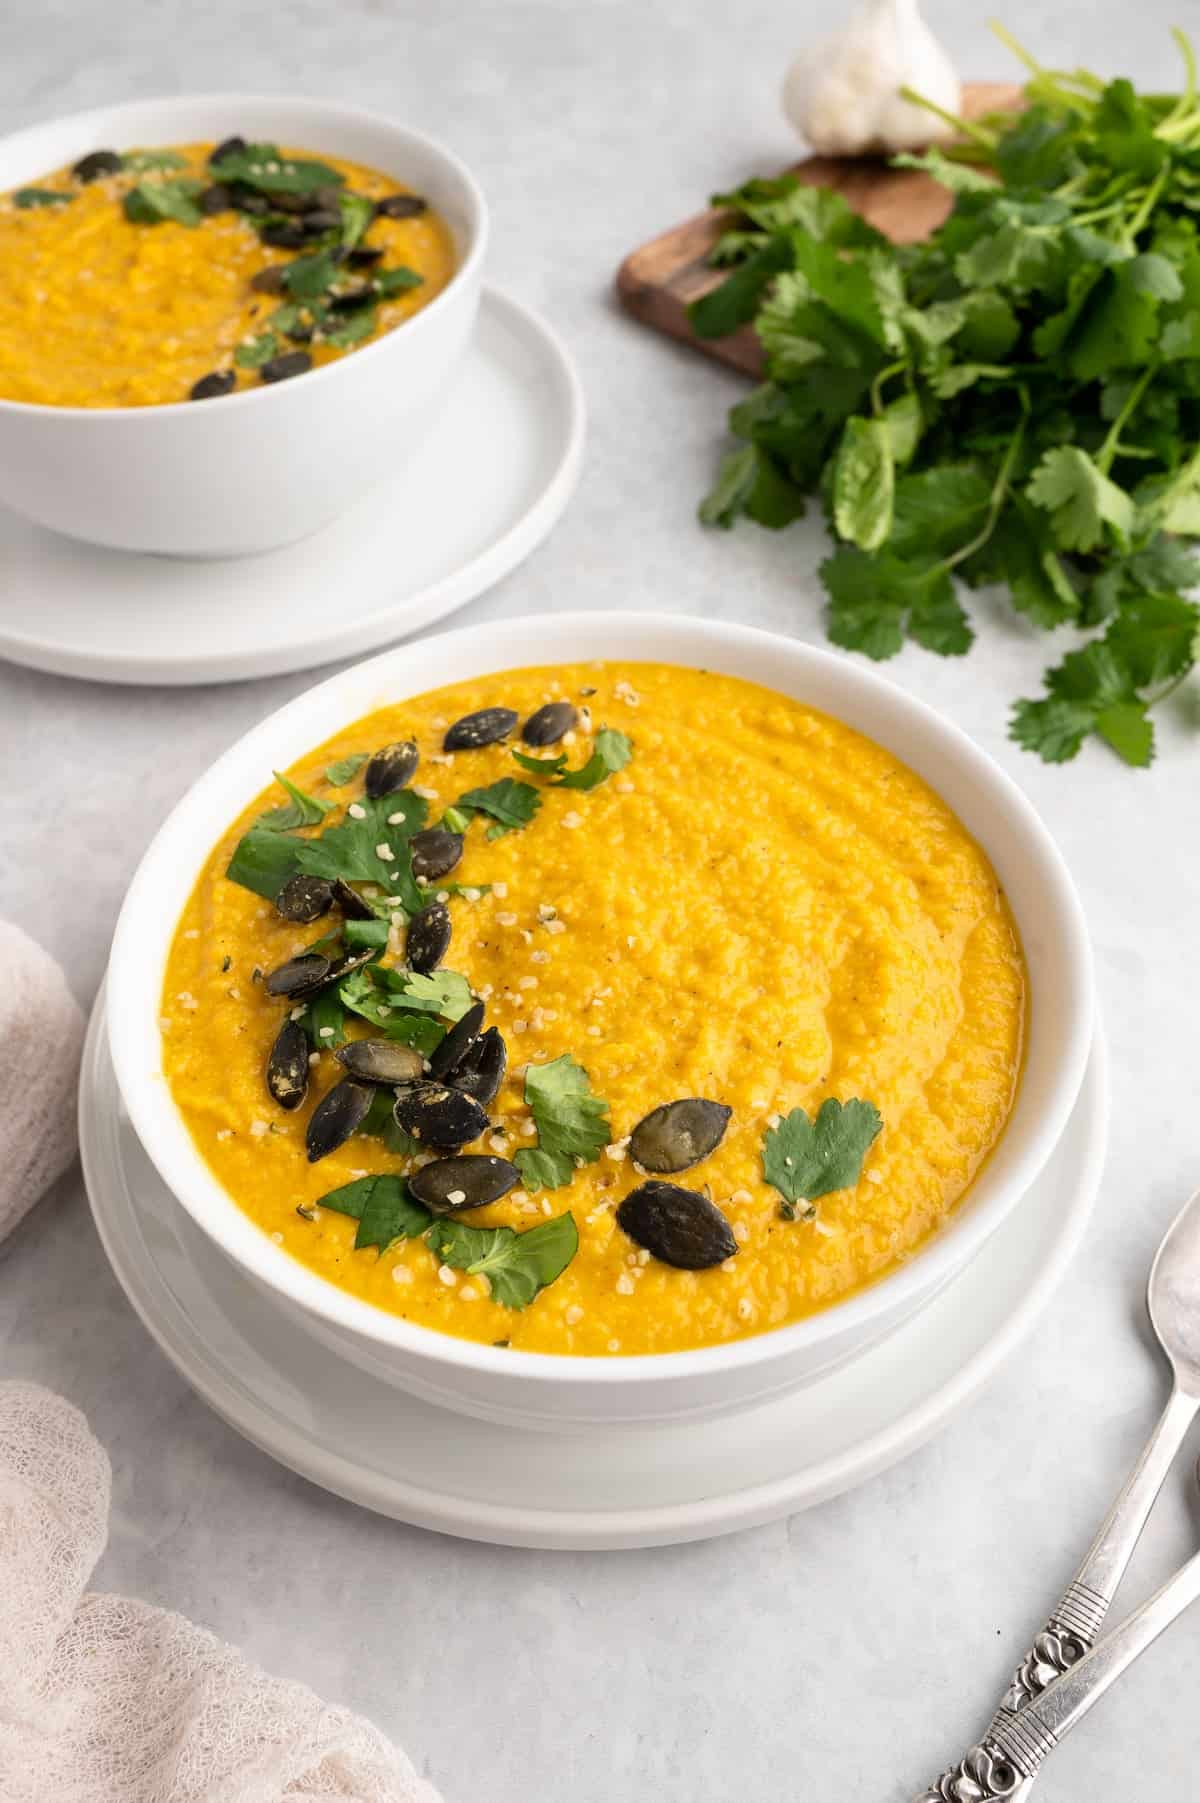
pixel 270 464
pixel 533 1389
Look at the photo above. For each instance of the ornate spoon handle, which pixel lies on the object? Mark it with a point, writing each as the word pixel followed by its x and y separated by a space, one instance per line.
pixel 1065 1643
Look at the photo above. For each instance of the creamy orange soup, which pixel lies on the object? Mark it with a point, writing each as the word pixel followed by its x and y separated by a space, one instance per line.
pixel 760 908
pixel 127 287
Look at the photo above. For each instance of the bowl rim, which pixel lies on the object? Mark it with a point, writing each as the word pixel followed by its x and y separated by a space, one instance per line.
pixel 465 272
pixel 513 643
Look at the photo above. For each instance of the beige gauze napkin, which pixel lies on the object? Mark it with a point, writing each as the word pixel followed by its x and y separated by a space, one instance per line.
pixel 41 1034
pixel 107 1700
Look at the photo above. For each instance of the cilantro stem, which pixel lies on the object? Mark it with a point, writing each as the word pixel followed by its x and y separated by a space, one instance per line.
pixel 998 495
pixel 1149 202
pixel 884 375
pixel 1018 49
pixel 985 139
pixel 1108 450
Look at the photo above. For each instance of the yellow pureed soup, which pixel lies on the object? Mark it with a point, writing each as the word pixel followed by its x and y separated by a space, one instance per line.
pixel 753 908
pixel 164 275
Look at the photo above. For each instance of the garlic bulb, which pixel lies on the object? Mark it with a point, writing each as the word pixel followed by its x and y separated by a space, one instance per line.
pixel 843 94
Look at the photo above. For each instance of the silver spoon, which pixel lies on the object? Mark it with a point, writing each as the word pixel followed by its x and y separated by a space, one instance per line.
pixel 997 1768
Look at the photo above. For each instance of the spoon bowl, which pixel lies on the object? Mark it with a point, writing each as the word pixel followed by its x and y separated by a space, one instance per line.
pixel 1173 1296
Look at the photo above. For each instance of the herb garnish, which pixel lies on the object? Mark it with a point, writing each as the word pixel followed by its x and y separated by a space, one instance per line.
pixel 516 1265
pixel 261 166
pixel 40 197
pixel 300 810
pixel 611 752
pixel 805 1159
pixel 383 1208
pixel 150 203
pixel 1011 402
pixel 142 160
pixel 572 1123
pixel 510 804
pixel 345 769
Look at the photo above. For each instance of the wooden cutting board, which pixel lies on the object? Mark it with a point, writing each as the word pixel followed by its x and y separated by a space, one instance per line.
pixel 659 282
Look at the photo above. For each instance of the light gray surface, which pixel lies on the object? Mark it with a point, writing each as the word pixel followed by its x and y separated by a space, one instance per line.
pixel 841 1654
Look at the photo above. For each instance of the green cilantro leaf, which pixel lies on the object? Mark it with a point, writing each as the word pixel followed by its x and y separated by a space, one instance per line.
pixel 516 1265
pixel 368 993
pixel 370 845
pixel 1084 505
pixel 349 328
pixel 300 809
pixel 150 203
pixel 611 751
pixel 344 770
pixel 307 278
pixel 539 766
pixel 142 160
pixel 750 481
pixel 41 197
pixel 397 280
pixel 252 353
pixel 572 1123
pixel 384 1209
pixel 806 1159
pixel 863 483
pixel 875 601
pixel 262 166
pixel 509 803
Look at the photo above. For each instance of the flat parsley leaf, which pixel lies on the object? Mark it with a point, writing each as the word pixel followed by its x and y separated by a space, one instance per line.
pixel 384 1209
pixel 516 1265
pixel 571 1122
pixel 805 1159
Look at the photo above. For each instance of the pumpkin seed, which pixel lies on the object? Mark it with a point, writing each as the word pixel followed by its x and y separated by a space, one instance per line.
pixel 228 147
pixel 481 1072
pixel 300 976
pixel 291 363
pixel 268 280
pixel 248 200
pixel 319 220
pixel 304 898
pixel 349 959
pixel 399 206
pixel 439 1116
pixel 351 902
pixel 467 1180
pixel 435 852
pixel 485 727
pixel 548 725
pixel 364 256
pixel 219 381
pixel 381 1061
pixel 428 938
pixel 97 163
pixel 445 1059
pixel 216 199
pixel 391 769
pixel 287 1067
pixel 679 1134
pixel 679 1226
pixel 336 1116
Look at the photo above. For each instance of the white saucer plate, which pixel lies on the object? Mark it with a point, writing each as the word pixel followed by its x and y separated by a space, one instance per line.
pixel 607 1488
pixel 481 492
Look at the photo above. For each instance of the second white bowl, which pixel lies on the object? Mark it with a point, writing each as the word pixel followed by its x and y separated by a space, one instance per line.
pixel 532 1389
pixel 268 465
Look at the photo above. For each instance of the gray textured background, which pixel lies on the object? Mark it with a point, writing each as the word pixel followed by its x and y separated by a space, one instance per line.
pixel 840 1654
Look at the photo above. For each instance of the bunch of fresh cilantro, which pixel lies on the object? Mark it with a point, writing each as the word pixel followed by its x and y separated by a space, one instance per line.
pixel 1015 401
